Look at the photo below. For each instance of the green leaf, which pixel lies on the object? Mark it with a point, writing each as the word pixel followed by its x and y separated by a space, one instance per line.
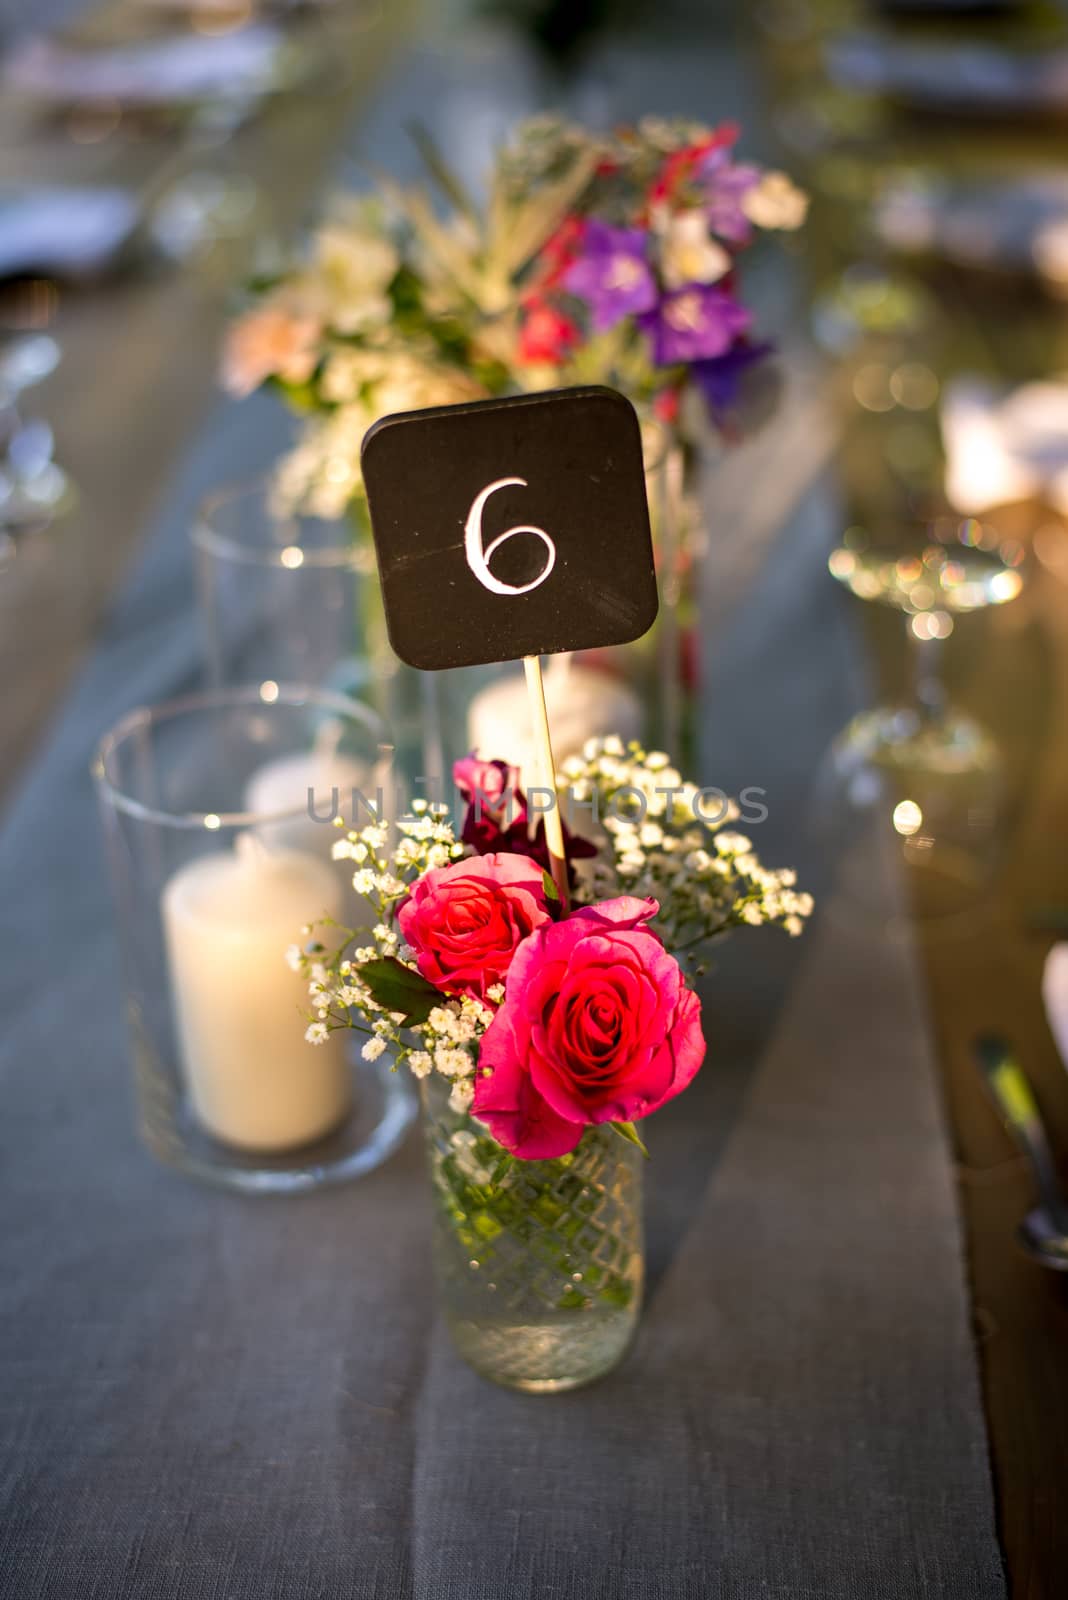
pixel 500 1169
pixel 398 988
pixel 628 1131
pixel 551 891
pixel 442 173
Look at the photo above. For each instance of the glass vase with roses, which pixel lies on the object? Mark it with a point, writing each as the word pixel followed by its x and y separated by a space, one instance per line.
pixel 543 1035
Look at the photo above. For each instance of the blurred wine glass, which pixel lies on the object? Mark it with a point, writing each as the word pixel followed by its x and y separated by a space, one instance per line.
pixel 34 488
pixel 928 773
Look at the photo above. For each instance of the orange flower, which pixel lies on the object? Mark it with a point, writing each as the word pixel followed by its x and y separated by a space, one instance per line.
pixel 272 341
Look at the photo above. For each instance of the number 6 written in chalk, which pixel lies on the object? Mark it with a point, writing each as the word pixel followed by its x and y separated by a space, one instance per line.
pixel 478 555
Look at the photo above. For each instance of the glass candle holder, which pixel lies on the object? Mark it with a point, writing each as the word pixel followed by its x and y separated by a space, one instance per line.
pixel 216 811
pixel 286 599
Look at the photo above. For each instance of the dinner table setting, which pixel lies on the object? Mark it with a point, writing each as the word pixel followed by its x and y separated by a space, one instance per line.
pixel 534 614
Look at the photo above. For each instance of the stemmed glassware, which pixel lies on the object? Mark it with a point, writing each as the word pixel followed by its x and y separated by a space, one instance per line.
pixel 34 489
pixel 930 773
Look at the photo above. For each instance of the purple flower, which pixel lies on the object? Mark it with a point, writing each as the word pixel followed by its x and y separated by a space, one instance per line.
pixel 719 379
pixel 723 183
pixel 612 274
pixel 694 323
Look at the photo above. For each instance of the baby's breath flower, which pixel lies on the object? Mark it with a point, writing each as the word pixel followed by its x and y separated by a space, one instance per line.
pixel 659 838
pixel 461 1095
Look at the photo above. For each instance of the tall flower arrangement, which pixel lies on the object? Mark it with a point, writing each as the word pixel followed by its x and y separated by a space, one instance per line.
pixel 597 258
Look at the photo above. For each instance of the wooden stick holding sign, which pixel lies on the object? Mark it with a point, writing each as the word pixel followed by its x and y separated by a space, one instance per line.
pixel 561 476
pixel 545 771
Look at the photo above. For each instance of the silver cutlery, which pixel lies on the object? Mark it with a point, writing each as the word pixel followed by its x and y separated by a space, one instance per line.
pixel 1043 1233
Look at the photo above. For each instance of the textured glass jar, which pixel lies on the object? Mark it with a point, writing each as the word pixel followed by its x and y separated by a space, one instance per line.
pixel 539 1263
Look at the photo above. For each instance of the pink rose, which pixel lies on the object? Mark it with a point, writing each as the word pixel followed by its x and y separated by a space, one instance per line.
pixel 497 820
pixel 465 921
pixel 484 782
pixel 597 1025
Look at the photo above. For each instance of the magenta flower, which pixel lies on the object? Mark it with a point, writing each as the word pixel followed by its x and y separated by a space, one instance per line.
pixel 612 274
pixel 723 184
pixel 497 819
pixel 484 783
pixel 597 1025
pixel 695 323
pixel 466 921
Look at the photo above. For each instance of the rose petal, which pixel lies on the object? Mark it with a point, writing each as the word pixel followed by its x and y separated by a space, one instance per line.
pixel 509 1104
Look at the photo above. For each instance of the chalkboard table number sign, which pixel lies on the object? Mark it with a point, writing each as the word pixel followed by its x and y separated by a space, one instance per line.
pixel 512 528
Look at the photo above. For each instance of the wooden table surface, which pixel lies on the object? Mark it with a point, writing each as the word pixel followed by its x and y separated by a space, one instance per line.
pixel 1007 667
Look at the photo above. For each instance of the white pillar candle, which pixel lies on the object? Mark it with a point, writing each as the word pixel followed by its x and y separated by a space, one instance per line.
pixel 283 784
pixel 240 1012
pixel 1055 995
pixel 582 702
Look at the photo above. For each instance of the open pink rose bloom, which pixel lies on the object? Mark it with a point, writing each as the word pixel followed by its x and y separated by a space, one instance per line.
pixel 597 1025
pixel 465 921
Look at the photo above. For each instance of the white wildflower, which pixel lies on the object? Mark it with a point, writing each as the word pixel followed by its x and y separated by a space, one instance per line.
pixel 350 271
pixel 775 202
pixel 688 252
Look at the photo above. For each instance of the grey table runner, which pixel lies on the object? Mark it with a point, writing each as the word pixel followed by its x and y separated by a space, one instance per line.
pixel 211 1398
